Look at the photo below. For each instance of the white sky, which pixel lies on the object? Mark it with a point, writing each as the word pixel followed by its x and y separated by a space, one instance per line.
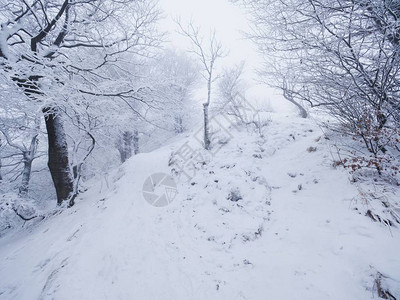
pixel 225 17
pixel 230 22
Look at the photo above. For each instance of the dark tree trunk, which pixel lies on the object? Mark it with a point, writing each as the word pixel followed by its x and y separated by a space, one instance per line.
pixel 124 145
pixel 136 142
pixel 179 125
pixel 58 156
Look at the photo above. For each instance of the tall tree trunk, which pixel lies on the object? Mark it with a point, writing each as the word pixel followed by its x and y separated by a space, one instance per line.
pixel 206 127
pixel 58 155
pixel 124 145
pixel 207 142
pixel 28 157
pixel 26 175
pixel 136 142
pixel 179 124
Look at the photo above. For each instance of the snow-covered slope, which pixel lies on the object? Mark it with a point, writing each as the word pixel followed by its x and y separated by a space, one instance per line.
pixel 291 234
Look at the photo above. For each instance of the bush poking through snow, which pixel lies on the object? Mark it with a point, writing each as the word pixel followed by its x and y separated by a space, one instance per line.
pixel 382 288
pixel 378 206
pixel 311 149
pixel 235 195
pixel 373 151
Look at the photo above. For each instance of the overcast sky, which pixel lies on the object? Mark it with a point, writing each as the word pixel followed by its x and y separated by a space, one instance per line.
pixel 230 22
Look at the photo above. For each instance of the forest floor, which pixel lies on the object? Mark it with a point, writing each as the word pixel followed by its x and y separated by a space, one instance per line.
pixel 257 218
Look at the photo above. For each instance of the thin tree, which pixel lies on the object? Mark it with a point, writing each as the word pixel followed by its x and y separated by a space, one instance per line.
pixel 176 75
pixel 208 53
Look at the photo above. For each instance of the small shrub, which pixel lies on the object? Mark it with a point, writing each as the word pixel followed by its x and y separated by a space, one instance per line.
pixel 311 149
pixel 235 195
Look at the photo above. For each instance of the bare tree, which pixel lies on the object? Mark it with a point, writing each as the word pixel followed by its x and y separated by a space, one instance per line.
pixel 59 52
pixel 25 154
pixel 232 83
pixel 344 56
pixel 208 53
pixel 232 88
pixel 124 145
pixel 177 75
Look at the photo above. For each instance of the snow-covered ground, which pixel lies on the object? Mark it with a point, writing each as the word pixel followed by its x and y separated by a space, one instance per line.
pixel 293 233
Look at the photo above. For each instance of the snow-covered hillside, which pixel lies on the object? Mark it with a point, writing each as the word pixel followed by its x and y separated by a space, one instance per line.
pixel 264 218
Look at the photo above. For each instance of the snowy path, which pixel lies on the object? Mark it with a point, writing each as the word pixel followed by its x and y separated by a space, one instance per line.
pixel 281 243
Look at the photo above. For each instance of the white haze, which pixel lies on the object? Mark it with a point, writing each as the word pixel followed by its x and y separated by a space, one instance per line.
pixel 230 23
